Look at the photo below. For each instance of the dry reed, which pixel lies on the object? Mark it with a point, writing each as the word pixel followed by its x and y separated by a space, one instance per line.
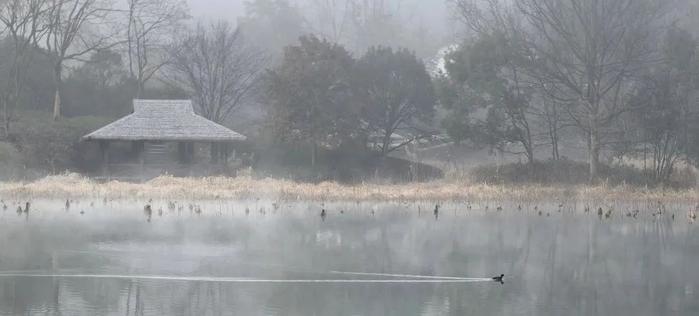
pixel 167 187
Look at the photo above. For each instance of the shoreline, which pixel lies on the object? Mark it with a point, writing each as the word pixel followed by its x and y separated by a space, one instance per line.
pixel 74 186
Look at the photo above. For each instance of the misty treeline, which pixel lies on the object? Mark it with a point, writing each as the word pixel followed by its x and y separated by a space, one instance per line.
pixel 360 77
pixel 620 75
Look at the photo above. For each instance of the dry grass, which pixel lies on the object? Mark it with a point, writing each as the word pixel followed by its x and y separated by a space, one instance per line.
pixel 166 187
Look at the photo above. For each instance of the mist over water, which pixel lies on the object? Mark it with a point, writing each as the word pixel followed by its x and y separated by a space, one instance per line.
pixel 112 261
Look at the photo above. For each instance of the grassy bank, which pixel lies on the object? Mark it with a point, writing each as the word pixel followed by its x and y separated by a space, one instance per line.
pixel 75 186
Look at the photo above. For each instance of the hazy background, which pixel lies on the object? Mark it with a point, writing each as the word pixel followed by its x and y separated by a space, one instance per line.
pixel 431 14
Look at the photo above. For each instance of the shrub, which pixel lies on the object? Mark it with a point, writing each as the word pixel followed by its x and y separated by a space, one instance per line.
pixel 10 162
pixel 568 172
pixel 52 145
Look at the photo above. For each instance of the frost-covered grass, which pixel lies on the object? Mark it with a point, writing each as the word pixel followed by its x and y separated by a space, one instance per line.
pixel 73 186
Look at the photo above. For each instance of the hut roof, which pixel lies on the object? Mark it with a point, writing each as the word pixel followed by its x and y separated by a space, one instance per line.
pixel 171 120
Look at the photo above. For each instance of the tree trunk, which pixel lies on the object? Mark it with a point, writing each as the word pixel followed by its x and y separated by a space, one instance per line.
pixel 386 143
pixel 530 156
pixel 58 81
pixel 594 152
pixel 139 88
pixel 6 120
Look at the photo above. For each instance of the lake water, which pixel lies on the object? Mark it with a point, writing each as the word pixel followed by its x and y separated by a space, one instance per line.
pixel 289 261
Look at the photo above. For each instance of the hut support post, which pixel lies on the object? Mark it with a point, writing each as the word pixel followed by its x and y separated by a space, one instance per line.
pixel 212 153
pixel 224 156
pixel 141 154
pixel 104 149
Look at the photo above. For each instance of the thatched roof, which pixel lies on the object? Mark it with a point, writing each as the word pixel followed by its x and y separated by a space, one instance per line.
pixel 169 120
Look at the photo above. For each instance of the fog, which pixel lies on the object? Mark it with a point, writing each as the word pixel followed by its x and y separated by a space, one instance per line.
pixel 349 157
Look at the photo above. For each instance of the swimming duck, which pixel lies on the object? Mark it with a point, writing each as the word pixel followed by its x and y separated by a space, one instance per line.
pixel 498 278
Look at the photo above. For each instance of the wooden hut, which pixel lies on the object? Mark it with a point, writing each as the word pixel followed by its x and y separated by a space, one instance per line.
pixel 163 136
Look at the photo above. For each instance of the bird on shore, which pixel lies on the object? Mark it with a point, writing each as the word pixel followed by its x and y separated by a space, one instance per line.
pixel 323 214
pixel 499 278
pixel 67 204
pixel 499 208
pixel 148 210
pixel 436 211
pixel 600 211
pixel 25 210
pixel 587 209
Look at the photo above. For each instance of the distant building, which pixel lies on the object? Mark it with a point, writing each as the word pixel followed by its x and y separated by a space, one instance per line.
pixel 164 136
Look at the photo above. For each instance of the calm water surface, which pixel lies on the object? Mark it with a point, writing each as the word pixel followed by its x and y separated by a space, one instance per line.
pixel 112 261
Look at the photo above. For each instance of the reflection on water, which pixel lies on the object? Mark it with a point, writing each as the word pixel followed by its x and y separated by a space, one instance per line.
pixel 190 260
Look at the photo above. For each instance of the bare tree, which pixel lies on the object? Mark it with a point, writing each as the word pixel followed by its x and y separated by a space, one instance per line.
pixel 583 52
pixel 152 27
pixel 359 24
pixel 589 50
pixel 334 18
pixel 75 28
pixel 22 22
pixel 217 68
